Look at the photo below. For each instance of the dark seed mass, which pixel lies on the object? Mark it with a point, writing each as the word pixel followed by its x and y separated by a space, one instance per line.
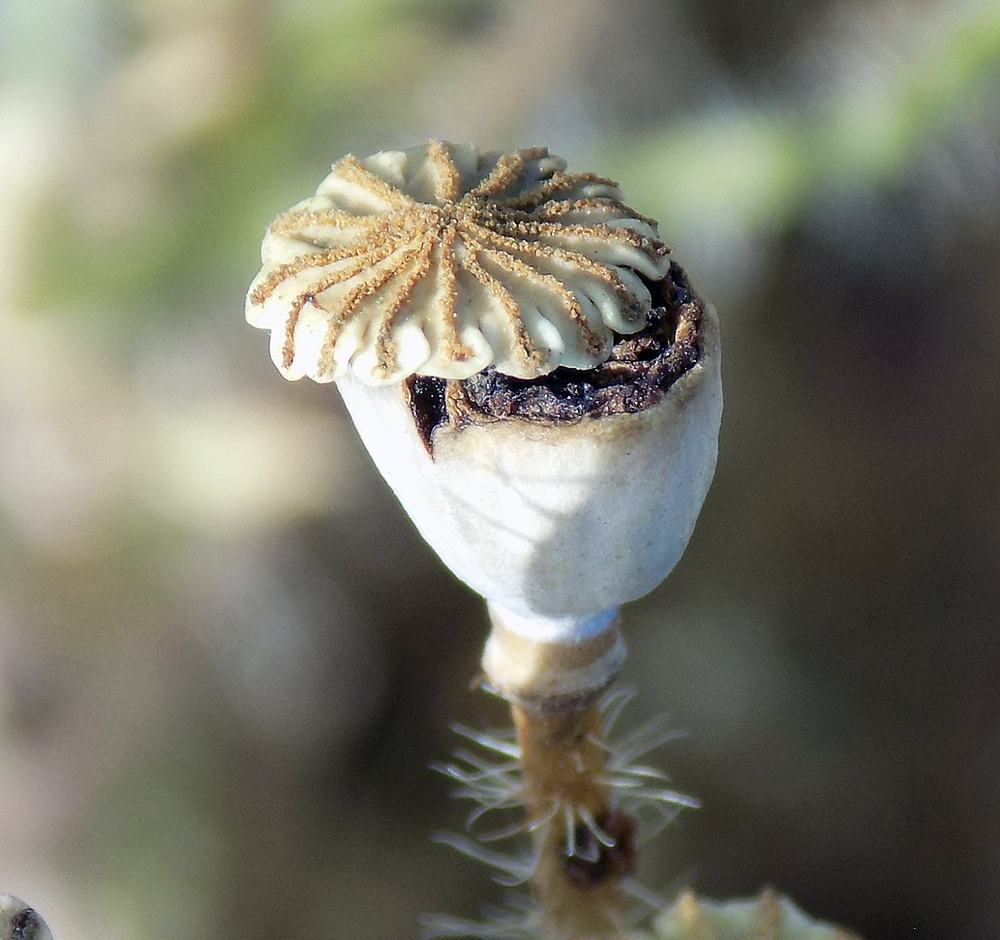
pixel 639 371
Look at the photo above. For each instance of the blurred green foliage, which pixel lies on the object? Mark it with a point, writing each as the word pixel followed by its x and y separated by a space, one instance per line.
pixel 317 77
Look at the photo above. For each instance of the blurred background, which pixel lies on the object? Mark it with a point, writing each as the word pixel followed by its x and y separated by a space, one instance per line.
pixel 226 659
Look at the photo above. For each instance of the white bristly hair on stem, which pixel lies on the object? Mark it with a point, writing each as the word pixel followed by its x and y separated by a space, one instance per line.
pixel 517 920
pixel 498 785
pixel 635 785
pixel 493 780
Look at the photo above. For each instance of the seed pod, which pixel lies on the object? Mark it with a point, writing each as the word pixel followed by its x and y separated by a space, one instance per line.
pixel 535 379
pixel 20 922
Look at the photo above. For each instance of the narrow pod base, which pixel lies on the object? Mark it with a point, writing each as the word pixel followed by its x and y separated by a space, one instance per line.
pixel 552 665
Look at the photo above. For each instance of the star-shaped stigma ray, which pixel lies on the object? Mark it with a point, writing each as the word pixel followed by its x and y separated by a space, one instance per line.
pixel 441 261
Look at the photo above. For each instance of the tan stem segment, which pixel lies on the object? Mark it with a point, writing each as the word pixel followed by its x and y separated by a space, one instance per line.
pixel 577 879
pixel 548 675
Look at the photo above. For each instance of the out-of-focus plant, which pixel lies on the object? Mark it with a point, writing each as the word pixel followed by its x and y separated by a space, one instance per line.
pixel 905 82
pixel 18 921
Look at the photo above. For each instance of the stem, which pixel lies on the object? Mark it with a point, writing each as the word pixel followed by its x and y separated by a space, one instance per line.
pixel 583 846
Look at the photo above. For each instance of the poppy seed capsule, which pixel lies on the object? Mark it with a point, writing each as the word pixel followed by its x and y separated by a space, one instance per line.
pixel 535 379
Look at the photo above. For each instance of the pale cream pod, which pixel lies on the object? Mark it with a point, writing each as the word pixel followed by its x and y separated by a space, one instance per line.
pixel 555 519
pixel 532 375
